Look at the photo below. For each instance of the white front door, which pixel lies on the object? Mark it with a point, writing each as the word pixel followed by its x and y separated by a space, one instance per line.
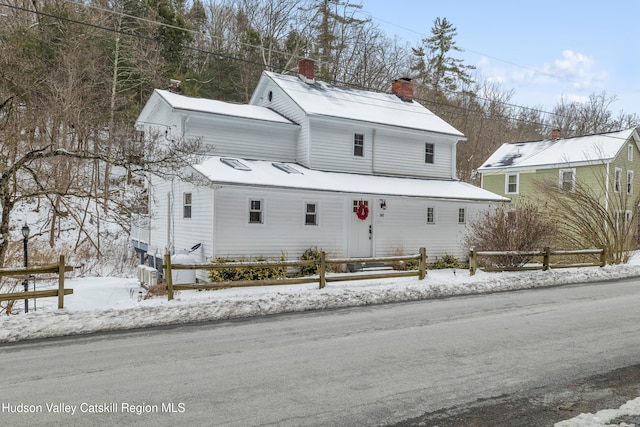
pixel 360 229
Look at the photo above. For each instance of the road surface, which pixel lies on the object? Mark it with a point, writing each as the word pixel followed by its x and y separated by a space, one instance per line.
pixel 375 365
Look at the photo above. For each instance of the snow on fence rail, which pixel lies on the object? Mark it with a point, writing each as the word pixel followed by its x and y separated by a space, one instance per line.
pixel 59 268
pixel 546 254
pixel 321 265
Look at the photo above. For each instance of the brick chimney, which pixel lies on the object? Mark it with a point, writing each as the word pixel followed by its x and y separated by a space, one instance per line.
pixel 306 70
pixel 555 134
pixel 403 89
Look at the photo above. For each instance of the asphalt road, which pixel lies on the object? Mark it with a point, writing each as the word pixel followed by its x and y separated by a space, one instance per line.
pixel 375 365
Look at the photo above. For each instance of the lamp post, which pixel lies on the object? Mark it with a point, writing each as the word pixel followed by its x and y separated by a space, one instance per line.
pixel 25 234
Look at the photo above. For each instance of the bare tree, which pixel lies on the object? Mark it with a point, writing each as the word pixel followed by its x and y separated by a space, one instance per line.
pixel 521 227
pixel 600 212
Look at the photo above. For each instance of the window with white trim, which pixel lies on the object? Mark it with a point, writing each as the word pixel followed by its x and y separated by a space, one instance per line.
pixel 358 144
pixel 629 182
pixel 310 213
pixel 429 152
pixel 567 180
pixel 256 207
pixel 623 220
pixel 630 152
pixel 431 215
pixel 617 180
pixel 462 215
pixel 511 183
pixel 186 205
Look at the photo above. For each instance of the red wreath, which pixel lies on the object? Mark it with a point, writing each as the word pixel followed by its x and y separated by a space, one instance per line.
pixel 362 212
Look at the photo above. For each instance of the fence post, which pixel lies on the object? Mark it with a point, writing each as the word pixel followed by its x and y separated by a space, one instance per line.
pixel 603 257
pixel 322 268
pixel 473 261
pixel 423 264
pixel 546 258
pixel 61 282
pixel 167 276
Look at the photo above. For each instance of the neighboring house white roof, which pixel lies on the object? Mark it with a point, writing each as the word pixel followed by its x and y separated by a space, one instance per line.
pixel 323 99
pixel 576 151
pixel 265 174
pixel 203 105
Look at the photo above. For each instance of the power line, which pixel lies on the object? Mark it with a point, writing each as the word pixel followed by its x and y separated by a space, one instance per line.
pixel 261 64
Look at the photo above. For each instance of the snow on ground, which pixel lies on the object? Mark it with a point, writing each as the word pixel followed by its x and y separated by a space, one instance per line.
pixel 107 304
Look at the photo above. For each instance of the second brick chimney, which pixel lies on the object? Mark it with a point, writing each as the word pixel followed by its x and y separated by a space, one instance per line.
pixel 403 89
pixel 306 69
pixel 555 134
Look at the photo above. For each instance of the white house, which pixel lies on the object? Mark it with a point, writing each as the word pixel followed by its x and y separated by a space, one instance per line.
pixel 308 164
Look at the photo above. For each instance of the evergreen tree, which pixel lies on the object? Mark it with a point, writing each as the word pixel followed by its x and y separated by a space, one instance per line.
pixel 435 67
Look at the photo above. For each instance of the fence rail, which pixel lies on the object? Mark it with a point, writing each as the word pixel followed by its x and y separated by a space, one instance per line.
pixel 59 268
pixel 321 265
pixel 546 255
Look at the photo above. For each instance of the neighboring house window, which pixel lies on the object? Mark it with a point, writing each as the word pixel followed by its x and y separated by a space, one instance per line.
pixel 462 215
pixel 255 211
pixel 567 180
pixel 429 152
pixel 617 178
pixel 358 145
pixel 629 182
pixel 186 205
pixel 310 214
pixel 512 183
pixel 630 152
pixel 431 215
pixel 623 220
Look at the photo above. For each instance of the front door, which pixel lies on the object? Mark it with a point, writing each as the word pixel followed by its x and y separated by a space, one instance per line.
pixel 360 229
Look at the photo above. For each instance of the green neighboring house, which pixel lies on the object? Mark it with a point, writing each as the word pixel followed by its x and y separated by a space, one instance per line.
pixel 608 163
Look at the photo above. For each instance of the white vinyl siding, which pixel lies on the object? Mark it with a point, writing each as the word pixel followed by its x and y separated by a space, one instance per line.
pixel 259 139
pixel 284 231
pixel 403 153
pixel 332 147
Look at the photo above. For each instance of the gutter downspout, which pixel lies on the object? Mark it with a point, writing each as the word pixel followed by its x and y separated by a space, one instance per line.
pixel 606 194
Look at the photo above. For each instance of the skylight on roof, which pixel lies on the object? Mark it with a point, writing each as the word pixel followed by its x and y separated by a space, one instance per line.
pixel 235 163
pixel 286 168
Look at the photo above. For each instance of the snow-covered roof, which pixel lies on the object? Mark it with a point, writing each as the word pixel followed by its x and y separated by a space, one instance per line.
pixel 203 105
pixel 576 151
pixel 323 99
pixel 220 170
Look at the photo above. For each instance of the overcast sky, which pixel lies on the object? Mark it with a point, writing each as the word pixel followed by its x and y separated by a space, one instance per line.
pixel 541 50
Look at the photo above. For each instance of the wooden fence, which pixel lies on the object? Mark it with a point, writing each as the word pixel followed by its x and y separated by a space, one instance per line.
pixel 546 255
pixel 321 265
pixel 59 268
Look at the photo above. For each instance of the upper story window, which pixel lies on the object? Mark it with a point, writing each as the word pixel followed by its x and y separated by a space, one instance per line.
pixel 358 145
pixel 629 182
pixel 511 184
pixel 630 152
pixel 617 179
pixel 567 180
pixel 462 215
pixel 256 207
pixel 186 205
pixel 429 152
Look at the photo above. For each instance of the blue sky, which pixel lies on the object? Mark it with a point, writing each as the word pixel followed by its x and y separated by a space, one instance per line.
pixel 541 50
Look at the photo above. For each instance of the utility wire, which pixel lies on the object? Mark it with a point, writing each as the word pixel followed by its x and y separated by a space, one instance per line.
pixel 261 64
